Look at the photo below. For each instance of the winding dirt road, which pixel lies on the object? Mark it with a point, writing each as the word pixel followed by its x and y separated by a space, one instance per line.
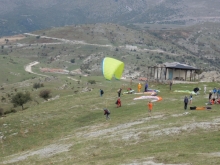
pixel 28 68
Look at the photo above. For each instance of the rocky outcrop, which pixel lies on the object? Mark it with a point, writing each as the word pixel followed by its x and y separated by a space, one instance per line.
pixel 212 76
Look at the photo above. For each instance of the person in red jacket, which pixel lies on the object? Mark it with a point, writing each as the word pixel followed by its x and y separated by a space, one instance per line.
pixel 118 102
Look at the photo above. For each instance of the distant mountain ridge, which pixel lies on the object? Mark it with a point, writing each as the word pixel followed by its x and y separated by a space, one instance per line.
pixel 18 16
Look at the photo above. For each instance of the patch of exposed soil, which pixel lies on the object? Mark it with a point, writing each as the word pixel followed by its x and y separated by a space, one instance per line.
pixel 149 162
pixel 11 39
pixel 45 152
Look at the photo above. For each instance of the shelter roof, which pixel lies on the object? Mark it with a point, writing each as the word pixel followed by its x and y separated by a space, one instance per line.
pixel 177 65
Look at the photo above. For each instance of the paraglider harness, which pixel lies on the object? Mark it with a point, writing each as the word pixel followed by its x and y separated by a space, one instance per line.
pixel 196 89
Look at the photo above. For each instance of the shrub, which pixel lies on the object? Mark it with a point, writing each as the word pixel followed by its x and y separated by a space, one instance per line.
pixel 72 60
pixel 3 98
pixel 45 94
pixel 20 99
pixel 1 111
pixel 11 110
pixel 92 81
pixel 38 85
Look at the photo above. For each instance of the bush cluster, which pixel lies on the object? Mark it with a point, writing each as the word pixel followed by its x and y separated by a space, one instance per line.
pixel 45 94
pixel 92 81
pixel 1 111
pixel 38 85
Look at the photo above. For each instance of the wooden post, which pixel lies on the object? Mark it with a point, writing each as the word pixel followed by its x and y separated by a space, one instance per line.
pixel 185 74
pixel 157 73
pixel 154 72
pixel 190 75
pixel 150 72
pixel 166 73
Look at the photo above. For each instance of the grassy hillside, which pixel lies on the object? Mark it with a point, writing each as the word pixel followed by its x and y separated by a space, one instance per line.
pixel 201 40
pixel 70 128
pixel 88 44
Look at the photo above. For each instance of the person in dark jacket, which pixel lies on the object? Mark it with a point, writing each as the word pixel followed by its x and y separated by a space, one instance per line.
pixel 107 113
pixel 146 87
pixel 119 92
pixel 101 92
pixel 210 95
pixel 185 102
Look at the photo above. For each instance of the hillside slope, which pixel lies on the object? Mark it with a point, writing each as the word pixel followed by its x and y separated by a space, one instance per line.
pixel 69 127
pixel 29 15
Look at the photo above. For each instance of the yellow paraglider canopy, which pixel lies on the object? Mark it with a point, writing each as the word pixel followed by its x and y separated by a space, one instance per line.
pixel 112 67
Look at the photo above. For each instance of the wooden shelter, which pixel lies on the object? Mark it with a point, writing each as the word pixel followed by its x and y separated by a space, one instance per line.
pixel 171 71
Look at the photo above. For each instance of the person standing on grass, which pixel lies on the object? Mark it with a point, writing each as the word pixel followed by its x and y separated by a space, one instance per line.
pixel 204 89
pixel 101 92
pixel 190 99
pixel 118 102
pixel 139 87
pixel 210 95
pixel 107 113
pixel 185 102
pixel 171 83
pixel 146 87
pixel 150 107
pixel 218 93
pixel 119 92
pixel 214 91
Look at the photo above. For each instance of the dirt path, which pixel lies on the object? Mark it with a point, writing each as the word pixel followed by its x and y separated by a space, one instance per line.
pixel 73 79
pixel 85 43
pixel 28 68
pixel 68 41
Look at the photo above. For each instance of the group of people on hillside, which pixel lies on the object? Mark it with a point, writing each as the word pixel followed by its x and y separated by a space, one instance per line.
pixel 140 86
pixel 118 101
pixel 214 96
